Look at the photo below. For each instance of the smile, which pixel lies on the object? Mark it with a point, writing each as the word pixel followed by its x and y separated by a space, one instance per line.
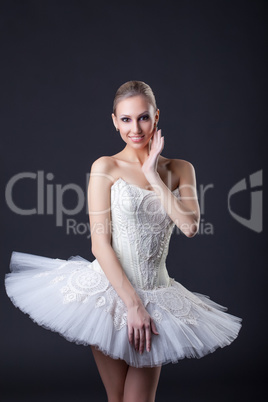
pixel 137 139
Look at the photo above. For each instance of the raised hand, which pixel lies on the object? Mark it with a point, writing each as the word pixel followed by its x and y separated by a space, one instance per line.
pixel 149 167
pixel 140 328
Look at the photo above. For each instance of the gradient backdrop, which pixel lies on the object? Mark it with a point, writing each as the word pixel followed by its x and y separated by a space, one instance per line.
pixel 61 63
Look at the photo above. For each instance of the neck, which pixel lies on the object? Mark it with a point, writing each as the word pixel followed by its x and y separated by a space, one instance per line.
pixel 138 156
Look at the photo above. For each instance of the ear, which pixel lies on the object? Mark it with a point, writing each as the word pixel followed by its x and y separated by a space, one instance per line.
pixel 114 120
pixel 157 116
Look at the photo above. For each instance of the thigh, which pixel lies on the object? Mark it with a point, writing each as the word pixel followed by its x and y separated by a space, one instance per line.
pixel 113 374
pixel 141 384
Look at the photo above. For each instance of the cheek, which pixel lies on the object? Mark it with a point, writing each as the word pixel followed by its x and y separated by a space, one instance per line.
pixel 147 125
pixel 124 129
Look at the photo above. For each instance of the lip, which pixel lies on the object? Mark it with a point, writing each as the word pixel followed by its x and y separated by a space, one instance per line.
pixel 137 138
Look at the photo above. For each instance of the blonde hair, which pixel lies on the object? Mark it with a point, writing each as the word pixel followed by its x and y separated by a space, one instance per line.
pixel 134 88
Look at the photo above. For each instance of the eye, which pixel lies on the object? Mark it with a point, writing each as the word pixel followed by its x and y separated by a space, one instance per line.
pixel 125 119
pixel 145 117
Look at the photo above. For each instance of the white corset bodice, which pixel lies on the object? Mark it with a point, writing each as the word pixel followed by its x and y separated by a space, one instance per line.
pixel 141 230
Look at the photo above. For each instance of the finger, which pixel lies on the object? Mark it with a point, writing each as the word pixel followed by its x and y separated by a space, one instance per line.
pixel 142 336
pixel 148 338
pixel 160 137
pixel 130 335
pixel 154 131
pixel 162 143
pixel 154 330
pixel 136 339
pixel 156 138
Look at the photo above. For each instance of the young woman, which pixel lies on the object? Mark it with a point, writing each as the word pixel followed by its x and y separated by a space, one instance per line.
pixel 124 304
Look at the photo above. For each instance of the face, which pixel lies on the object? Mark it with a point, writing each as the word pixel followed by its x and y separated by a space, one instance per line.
pixel 135 119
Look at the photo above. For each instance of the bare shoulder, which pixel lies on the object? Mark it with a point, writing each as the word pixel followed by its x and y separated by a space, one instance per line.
pixel 178 164
pixel 184 170
pixel 103 168
pixel 103 164
pixel 181 169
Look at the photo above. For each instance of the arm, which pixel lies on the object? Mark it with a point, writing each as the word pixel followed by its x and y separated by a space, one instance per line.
pixel 140 323
pixel 185 211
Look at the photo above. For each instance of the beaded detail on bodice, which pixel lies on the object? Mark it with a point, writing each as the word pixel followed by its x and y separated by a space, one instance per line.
pixel 141 230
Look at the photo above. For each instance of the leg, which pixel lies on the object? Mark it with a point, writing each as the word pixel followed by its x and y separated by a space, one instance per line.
pixel 113 374
pixel 141 384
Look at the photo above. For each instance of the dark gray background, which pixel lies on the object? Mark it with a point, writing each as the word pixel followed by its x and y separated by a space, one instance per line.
pixel 61 63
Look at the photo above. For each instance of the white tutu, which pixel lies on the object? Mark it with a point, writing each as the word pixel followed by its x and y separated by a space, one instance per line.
pixel 76 300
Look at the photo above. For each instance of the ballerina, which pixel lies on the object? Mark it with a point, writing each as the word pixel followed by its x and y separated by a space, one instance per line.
pixel 124 303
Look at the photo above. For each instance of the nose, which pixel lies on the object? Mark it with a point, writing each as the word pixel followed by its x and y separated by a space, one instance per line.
pixel 136 127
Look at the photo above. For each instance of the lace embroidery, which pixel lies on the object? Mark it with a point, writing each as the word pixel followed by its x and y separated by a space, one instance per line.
pixel 100 301
pixel 165 299
pixel 157 316
pixel 83 282
pixel 117 309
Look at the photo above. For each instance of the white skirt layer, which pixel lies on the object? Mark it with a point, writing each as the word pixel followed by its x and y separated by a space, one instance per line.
pixel 74 298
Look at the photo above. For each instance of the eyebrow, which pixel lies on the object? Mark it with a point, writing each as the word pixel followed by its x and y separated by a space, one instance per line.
pixel 126 115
